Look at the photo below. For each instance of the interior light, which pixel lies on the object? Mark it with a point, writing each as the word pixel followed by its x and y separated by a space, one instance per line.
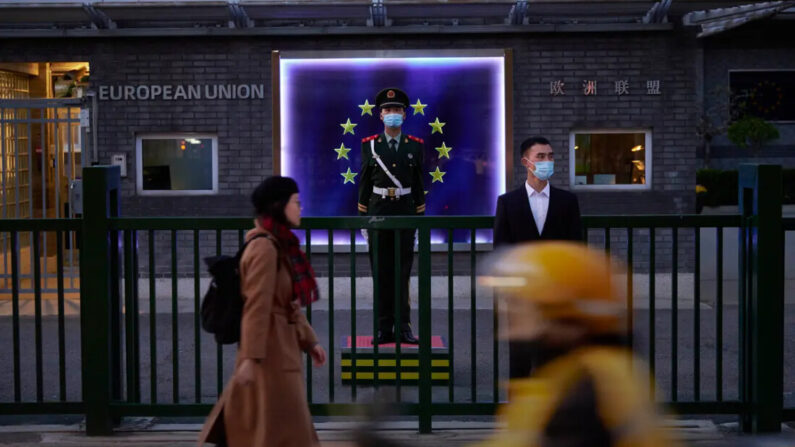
pixel 637 148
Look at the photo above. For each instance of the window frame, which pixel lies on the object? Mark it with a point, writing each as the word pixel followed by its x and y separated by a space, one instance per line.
pixel 648 160
pixel 139 170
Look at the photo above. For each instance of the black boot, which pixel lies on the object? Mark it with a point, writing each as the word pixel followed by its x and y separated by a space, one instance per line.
pixel 406 336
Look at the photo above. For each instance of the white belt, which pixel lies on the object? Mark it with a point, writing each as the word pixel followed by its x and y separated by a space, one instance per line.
pixel 391 192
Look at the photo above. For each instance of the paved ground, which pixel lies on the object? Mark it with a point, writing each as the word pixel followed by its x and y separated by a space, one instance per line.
pixel 203 386
pixel 150 433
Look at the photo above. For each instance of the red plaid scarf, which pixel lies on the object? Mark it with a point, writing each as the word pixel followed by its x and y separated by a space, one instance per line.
pixel 304 284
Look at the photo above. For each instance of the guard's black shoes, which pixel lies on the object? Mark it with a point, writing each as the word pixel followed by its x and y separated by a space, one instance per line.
pixel 407 337
pixel 384 337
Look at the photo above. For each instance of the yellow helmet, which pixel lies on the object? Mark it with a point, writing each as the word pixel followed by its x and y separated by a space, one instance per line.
pixel 564 281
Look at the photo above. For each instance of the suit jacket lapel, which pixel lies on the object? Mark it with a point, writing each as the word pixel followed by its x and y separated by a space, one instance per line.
pixel 527 213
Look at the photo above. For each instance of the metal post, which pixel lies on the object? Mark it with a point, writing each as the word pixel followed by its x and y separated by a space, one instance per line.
pixel 762 379
pixel 424 280
pixel 100 203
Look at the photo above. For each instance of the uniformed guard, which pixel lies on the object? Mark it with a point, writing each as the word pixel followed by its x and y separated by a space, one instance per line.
pixel 392 186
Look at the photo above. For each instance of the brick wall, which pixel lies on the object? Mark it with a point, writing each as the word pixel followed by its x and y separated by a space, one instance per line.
pixel 244 126
pixel 758 46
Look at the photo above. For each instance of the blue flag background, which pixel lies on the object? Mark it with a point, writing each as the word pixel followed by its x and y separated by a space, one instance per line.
pixel 465 93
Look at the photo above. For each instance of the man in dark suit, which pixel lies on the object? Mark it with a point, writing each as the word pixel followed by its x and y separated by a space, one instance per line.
pixel 535 211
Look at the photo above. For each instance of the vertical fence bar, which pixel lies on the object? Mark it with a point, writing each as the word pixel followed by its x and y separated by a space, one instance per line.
pixel 450 313
pixel 174 319
pixel 37 303
pixel 152 321
pixel 309 319
pixel 15 314
pixel 742 274
pixel 495 350
pixel 61 323
pixel 607 240
pixel 219 348
pixel 331 315
pixel 374 235
pixel 17 207
pixel 129 315
pixel 116 309
pixel 424 298
pixel 57 156
pixel 353 315
pixel 137 320
pixel 697 319
pixel 674 313
pixel 398 300
pixel 197 357
pixel 719 317
pixel 473 315
pixel 630 290
pixel 652 300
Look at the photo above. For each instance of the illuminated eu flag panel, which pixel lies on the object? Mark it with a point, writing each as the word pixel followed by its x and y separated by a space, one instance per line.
pixel 457 106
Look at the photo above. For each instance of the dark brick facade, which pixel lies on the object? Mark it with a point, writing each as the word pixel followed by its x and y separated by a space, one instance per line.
pixel 764 46
pixel 244 126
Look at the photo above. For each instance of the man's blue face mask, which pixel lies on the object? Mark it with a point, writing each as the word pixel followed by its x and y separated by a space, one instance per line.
pixel 393 119
pixel 544 169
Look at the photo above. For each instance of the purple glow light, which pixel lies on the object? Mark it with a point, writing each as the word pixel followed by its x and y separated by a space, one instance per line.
pixel 496 151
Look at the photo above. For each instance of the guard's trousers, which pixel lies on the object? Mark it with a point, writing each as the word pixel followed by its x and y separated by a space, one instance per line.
pixel 384 289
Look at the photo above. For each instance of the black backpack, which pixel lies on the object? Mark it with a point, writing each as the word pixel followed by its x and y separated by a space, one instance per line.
pixel 222 306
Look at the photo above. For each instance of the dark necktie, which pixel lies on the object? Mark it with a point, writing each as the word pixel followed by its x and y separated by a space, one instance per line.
pixel 393 144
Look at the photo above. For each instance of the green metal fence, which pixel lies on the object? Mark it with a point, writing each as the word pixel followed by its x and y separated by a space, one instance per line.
pixel 142 351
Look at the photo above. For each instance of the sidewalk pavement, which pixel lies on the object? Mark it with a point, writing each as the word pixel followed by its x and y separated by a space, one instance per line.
pixel 144 432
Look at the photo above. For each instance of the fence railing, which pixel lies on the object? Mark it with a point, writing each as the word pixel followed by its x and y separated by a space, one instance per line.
pixel 690 309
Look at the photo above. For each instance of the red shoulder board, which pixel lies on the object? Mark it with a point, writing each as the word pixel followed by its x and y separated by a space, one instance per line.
pixel 413 138
pixel 371 137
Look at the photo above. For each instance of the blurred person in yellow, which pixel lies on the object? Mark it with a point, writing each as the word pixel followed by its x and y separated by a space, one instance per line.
pixel 586 388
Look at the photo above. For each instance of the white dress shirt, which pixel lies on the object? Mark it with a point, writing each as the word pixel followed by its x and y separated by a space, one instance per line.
pixel 539 205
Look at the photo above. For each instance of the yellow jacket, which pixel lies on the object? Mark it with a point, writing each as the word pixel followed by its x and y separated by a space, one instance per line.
pixel 591 396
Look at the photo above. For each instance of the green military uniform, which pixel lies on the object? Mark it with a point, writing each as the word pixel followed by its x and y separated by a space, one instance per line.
pixel 379 195
pixel 405 164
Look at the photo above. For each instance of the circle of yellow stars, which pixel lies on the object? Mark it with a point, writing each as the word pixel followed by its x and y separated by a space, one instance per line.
pixel 367 109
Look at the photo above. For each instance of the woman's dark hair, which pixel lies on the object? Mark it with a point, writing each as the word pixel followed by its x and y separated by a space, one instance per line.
pixel 271 196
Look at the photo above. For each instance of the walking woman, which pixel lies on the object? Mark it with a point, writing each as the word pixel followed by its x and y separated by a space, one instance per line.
pixel 264 404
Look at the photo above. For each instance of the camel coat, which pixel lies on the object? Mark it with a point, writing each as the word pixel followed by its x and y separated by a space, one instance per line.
pixel 273 410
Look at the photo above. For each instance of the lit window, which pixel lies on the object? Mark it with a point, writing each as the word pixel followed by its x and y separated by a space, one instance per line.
pixel 610 159
pixel 177 164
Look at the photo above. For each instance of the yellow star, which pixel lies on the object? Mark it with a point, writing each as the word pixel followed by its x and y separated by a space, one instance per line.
pixel 437 175
pixel 342 152
pixel 348 127
pixel 367 108
pixel 349 176
pixel 444 151
pixel 418 107
pixel 437 126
